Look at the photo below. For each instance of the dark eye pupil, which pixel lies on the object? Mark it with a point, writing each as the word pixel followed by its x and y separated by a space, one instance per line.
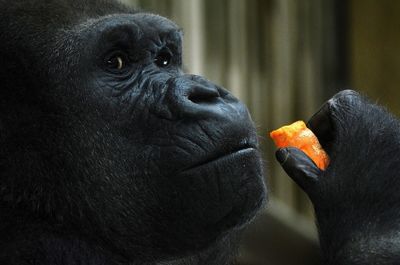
pixel 163 59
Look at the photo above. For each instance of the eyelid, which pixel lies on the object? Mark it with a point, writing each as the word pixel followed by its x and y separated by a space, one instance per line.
pixel 160 48
pixel 165 49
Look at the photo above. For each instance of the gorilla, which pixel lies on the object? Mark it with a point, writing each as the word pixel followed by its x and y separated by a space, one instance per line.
pixel 110 154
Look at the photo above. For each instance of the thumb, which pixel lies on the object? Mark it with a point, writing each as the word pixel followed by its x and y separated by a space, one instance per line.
pixel 299 167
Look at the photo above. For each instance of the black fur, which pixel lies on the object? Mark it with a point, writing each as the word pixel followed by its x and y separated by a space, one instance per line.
pixel 99 165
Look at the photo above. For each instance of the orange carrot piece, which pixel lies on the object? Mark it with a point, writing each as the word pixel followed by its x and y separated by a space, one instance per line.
pixel 298 135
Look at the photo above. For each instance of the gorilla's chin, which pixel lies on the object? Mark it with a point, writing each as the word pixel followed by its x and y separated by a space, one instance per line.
pixel 213 201
pixel 226 191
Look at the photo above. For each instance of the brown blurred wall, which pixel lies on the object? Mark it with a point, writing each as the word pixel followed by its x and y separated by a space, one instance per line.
pixel 374 37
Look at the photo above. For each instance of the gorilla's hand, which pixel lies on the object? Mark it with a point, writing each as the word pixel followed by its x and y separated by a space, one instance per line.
pixel 357 198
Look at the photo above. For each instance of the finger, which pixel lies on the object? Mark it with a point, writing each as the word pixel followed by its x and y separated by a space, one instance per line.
pixel 299 167
pixel 327 120
pixel 322 126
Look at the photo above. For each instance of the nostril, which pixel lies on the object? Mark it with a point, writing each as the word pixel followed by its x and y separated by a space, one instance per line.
pixel 202 94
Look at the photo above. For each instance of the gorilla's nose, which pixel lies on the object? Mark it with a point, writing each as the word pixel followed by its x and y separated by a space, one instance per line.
pixel 202 95
pixel 192 96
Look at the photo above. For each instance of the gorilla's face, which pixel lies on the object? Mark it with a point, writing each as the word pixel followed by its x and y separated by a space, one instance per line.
pixel 108 137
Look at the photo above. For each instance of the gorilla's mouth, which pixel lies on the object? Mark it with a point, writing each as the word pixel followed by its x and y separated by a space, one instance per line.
pixel 232 155
pixel 226 189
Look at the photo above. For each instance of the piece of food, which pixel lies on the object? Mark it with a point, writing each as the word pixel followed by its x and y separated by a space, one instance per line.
pixel 298 135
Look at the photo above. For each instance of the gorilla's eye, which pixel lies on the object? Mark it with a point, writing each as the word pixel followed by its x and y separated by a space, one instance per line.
pixel 163 58
pixel 117 62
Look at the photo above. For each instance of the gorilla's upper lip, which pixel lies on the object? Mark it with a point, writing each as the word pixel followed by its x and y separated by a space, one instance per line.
pixel 218 156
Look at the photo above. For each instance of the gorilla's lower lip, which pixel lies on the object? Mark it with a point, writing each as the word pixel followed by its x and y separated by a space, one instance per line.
pixel 232 155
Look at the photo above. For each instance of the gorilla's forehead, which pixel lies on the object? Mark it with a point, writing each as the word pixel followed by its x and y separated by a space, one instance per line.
pixel 144 21
pixel 150 22
pixel 138 25
pixel 37 29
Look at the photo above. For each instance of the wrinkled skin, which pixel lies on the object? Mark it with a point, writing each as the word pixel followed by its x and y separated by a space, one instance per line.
pixel 110 153
pixel 357 198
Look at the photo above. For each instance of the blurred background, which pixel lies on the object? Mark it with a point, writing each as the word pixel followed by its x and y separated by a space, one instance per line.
pixel 284 58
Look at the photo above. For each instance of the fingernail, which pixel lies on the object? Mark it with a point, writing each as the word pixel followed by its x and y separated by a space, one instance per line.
pixel 281 155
